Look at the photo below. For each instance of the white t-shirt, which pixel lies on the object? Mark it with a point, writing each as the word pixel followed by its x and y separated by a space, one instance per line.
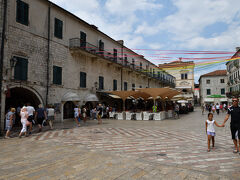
pixel 30 110
pixel 23 116
pixel 50 112
pixel 210 126
pixel 76 111
pixel 217 107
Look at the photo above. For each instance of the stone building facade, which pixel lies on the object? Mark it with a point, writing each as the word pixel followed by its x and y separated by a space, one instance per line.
pixel 184 74
pixel 53 57
pixel 233 75
pixel 213 87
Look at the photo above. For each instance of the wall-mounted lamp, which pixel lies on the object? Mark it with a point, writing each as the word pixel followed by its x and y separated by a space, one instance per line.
pixel 13 62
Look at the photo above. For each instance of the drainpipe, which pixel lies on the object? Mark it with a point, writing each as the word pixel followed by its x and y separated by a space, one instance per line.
pixel 2 57
pixel 122 69
pixel 48 52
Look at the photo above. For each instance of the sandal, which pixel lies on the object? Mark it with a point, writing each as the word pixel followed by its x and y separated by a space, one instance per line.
pixel 208 150
pixel 235 151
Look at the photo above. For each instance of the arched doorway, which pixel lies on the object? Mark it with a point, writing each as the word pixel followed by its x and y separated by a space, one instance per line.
pixel 19 96
pixel 68 110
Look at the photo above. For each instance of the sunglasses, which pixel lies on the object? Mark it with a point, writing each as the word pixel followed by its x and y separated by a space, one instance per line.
pixel 234 100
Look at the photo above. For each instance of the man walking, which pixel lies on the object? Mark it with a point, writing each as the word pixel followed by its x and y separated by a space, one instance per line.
pixel 234 111
pixel 31 112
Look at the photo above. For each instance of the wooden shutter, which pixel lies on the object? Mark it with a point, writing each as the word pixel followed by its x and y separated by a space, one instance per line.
pixel 114 84
pixel 22 12
pixel 83 78
pixel 83 38
pixel 58 28
pixel 115 55
pixel 57 75
pixel 101 83
pixel 21 69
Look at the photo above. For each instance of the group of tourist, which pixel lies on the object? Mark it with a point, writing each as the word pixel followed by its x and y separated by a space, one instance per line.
pixel 214 108
pixel 29 116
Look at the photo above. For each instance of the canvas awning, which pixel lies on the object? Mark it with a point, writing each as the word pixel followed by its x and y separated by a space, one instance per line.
pixel 70 96
pixel 208 99
pixel 91 98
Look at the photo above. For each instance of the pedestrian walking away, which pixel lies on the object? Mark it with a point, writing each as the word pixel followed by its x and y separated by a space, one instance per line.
pixel 234 111
pixel 40 115
pixel 217 108
pixel 77 115
pixel 31 112
pixel 10 116
pixel 24 121
pixel 210 131
pixel 51 115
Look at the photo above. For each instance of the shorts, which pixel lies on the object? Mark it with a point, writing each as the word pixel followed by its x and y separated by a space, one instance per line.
pixel 8 127
pixel 235 131
pixel 50 118
pixel 75 115
pixel 40 120
pixel 99 116
pixel 211 133
pixel 30 118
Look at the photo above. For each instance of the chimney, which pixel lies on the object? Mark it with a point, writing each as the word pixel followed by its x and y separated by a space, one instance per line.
pixel 237 49
pixel 121 42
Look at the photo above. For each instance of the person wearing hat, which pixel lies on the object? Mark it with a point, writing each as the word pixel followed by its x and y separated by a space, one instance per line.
pixel 10 116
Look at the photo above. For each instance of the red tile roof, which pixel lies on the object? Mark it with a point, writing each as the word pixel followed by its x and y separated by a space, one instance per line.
pixel 215 73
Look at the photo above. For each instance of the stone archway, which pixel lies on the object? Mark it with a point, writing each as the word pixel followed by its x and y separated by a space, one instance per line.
pixel 19 96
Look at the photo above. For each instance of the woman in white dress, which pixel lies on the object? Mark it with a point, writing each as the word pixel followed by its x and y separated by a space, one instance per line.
pixel 24 121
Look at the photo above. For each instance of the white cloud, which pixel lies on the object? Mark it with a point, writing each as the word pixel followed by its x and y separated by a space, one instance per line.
pixel 126 7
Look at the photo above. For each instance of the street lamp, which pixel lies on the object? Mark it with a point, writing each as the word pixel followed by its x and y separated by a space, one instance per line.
pixel 96 85
pixel 13 62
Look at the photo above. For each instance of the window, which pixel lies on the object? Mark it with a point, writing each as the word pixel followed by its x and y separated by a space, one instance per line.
pixel 115 55
pixel 101 83
pixel 221 80
pixel 140 65
pixel 58 28
pixel 83 80
pixel 21 69
pixel 223 91
pixel 208 81
pixel 153 72
pixel 115 85
pixel 125 86
pixel 22 12
pixel 208 91
pixel 57 75
pixel 133 86
pixel 101 47
pixel 184 76
pixel 83 39
pixel 125 60
pixel 133 63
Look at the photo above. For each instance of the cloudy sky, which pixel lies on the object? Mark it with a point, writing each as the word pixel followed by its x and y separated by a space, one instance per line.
pixel 156 25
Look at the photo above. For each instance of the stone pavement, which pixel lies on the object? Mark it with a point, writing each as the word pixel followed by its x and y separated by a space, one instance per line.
pixel 169 149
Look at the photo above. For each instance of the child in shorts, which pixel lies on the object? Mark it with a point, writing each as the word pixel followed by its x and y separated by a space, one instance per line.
pixel 210 131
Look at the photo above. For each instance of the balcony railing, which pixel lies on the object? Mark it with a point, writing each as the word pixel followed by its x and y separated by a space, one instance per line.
pixel 75 43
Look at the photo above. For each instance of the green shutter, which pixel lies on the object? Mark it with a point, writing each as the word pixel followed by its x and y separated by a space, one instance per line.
pixel 83 38
pixel 83 77
pixel 57 75
pixel 58 28
pixel 21 69
pixel 22 12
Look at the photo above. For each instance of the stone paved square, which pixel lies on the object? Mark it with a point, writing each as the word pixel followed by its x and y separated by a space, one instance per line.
pixel 119 149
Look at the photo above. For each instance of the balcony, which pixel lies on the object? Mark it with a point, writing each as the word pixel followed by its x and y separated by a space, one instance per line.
pixel 76 44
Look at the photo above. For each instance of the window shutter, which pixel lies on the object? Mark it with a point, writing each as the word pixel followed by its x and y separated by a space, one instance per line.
pixel 24 69
pixel 58 28
pixel 83 37
pixel 101 83
pixel 83 77
pixel 57 75
pixel 21 69
pixel 25 13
